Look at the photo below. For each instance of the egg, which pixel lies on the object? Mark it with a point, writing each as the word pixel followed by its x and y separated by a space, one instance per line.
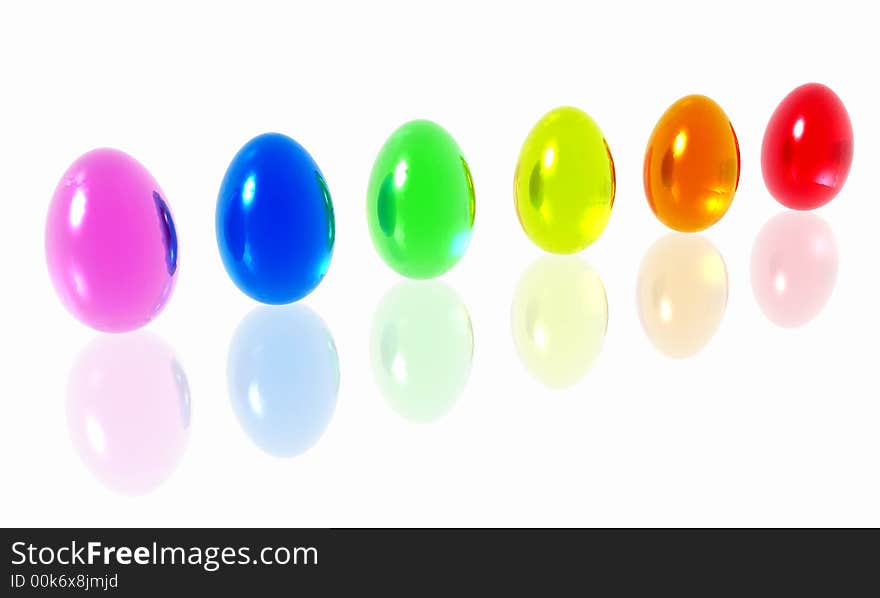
pixel 808 148
pixel 681 293
pixel 283 378
pixel 274 220
pixel 421 349
pixel 111 243
pixel 420 201
pixel 559 318
pixel 128 411
pixel 564 182
pixel 794 267
pixel 692 165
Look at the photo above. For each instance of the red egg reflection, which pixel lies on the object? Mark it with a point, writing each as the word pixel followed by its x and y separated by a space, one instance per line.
pixel 794 267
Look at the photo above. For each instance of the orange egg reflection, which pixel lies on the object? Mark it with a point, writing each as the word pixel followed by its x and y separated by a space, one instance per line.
pixel 692 165
pixel 682 293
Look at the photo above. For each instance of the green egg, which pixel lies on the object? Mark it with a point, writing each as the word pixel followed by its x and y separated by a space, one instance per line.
pixel 420 201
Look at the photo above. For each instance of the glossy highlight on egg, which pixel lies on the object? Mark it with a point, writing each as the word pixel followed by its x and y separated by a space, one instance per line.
pixel 692 165
pixel 111 243
pixel 564 183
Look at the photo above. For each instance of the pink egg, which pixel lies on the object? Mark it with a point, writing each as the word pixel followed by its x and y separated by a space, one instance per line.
pixel 128 411
pixel 111 244
pixel 794 267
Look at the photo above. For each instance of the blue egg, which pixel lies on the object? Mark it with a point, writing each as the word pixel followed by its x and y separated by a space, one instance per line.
pixel 275 225
pixel 283 377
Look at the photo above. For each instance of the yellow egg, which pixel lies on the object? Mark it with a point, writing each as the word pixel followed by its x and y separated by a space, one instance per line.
pixel 559 318
pixel 564 183
pixel 682 293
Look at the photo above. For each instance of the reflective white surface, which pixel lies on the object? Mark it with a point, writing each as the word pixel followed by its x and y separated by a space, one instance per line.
pixel 763 426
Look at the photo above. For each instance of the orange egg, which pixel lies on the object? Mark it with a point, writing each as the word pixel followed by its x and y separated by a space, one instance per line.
pixel 692 165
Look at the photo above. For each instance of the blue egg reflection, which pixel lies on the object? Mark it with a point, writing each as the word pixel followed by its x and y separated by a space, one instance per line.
pixel 283 376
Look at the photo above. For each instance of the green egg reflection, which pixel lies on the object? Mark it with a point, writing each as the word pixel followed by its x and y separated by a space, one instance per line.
pixel 421 348
pixel 559 318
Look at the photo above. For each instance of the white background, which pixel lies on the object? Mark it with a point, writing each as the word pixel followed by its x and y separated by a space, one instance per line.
pixel 765 426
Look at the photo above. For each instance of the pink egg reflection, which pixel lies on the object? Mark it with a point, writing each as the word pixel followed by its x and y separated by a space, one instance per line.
pixel 111 245
pixel 128 411
pixel 794 267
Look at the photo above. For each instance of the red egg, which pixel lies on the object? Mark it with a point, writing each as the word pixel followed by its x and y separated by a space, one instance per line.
pixel 808 148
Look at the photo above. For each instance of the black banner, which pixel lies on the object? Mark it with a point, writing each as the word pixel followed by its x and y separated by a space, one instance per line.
pixel 145 562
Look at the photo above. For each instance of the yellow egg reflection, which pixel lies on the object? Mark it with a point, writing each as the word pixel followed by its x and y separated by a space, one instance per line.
pixel 682 293
pixel 559 318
